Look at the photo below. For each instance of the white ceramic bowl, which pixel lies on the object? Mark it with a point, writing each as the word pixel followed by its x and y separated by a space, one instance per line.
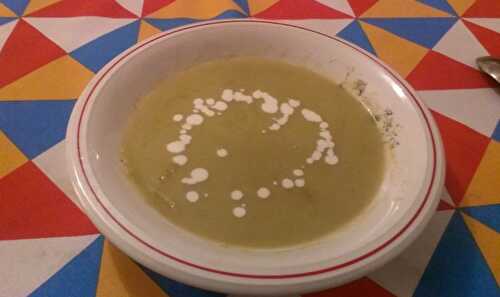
pixel 402 207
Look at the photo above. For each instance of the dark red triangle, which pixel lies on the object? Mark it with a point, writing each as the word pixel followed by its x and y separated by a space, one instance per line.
pixel 443 205
pixel 483 9
pixel 464 149
pixel 488 38
pixel 301 9
pixel 25 50
pixel 72 8
pixel 439 72
pixel 151 6
pixel 360 6
pixel 31 206
pixel 360 288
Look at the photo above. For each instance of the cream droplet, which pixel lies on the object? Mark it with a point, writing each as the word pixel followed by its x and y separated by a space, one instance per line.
pixel 177 117
pixel 239 212
pixel 222 153
pixel 263 193
pixel 287 183
pixel 300 182
pixel 180 159
pixel 298 172
pixel 192 196
pixel 236 195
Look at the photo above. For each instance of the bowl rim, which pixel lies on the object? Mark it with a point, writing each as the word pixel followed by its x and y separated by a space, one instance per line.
pixel 102 75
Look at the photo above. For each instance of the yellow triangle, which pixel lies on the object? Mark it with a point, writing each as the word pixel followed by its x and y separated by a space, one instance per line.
pixel 400 54
pixel 485 185
pixel 6 12
pixel 120 276
pixel 257 6
pixel 35 5
pixel 63 78
pixel 10 156
pixel 402 9
pixel 460 6
pixel 488 241
pixel 195 9
pixel 146 31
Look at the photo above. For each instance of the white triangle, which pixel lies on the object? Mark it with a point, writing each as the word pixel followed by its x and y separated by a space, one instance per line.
pixel 28 263
pixel 461 45
pixel 488 23
pixel 134 6
pixel 340 5
pixel 5 31
pixel 71 33
pixel 328 27
pixel 53 163
pixel 478 109
pixel 402 275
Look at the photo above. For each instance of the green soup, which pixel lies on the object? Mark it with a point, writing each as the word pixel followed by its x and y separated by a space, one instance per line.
pixel 253 152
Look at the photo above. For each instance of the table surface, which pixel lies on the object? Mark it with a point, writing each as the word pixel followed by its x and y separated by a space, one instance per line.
pixel 50 49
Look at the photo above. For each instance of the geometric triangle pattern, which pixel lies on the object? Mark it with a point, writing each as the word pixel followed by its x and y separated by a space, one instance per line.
pixel 457 267
pixel 78 277
pixel 50 49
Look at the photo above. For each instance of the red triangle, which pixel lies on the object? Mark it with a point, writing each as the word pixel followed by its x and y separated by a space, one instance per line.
pixel 483 9
pixel 72 8
pixel 359 288
pixel 488 38
pixel 443 205
pixel 25 50
pixel 360 6
pixel 301 9
pixel 439 72
pixel 464 149
pixel 33 207
pixel 151 6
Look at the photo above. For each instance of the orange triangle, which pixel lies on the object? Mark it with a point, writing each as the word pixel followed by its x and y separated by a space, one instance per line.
pixel 5 12
pixel 460 6
pixel 485 185
pixel 35 5
pixel 402 9
pixel 120 276
pixel 63 78
pixel 10 156
pixel 488 241
pixel 146 31
pixel 400 54
pixel 257 6
pixel 195 9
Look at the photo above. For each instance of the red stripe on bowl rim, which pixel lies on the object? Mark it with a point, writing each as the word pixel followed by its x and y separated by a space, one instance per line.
pixel 262 276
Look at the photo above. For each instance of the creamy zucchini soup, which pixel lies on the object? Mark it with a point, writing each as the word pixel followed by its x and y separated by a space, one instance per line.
pixel 254 152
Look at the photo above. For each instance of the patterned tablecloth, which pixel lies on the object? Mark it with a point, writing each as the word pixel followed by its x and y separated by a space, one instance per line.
pixel 50 49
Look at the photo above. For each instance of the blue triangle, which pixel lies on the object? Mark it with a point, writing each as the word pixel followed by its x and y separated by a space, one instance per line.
pixel 424 31
pixel 35 126
pixel 167 24
pixel 355 34
pixel 243 4
pixel 176 289
pixel 95 54
pixel 457 267
pixel 17 6
pixel 78 278
pixel 440 4
pixel 486 214
pixel 496 133
pixel 5 20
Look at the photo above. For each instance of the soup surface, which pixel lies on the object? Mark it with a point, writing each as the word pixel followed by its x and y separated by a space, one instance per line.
pixel 254 152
